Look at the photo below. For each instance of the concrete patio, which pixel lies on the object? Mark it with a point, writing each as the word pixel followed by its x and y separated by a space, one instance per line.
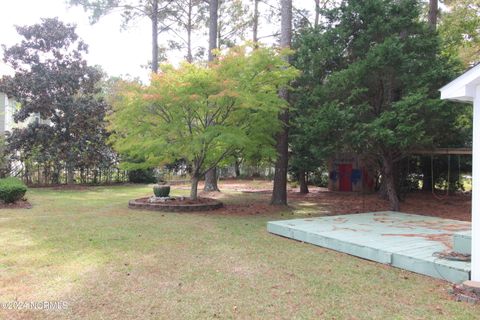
pixel 401 240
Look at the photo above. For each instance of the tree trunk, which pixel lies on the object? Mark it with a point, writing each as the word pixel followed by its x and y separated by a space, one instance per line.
pixel 382 190
pixel 389 180
pixel 255 21
pixel 26 173
pixel 45 174
pixel 212 29
pixel 189 32
pixel 317 12
pixel 194 188
pixel 57 173
pixel 433 14
pixel 302 179
pixel 211 180
pixel 279 194
pixel 70 174
pixel 237 168
pixel 211 175
pixel 154 19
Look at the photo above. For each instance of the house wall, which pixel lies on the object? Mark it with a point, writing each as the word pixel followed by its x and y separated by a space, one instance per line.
pixel 3 109
pixel 8 107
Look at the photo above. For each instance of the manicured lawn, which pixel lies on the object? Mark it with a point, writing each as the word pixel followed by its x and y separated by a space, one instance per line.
pixel 108 262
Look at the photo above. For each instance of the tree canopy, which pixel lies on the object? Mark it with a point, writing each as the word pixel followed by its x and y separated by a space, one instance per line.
pixel 460 30
pixel 202 114
pixel 373 73
pixel 370 73
pixel 54 85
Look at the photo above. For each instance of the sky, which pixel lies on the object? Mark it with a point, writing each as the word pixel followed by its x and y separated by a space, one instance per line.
pixel 118 52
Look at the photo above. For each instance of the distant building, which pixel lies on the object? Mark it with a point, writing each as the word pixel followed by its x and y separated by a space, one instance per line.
pixel 350 173
pixel 7 109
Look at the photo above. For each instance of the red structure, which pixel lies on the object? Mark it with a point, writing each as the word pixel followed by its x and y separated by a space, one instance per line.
pixel 345 177
pixel 348 172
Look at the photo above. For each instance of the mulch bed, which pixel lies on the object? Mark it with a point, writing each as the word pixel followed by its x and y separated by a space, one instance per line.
pixel 21 204
pixel 456 206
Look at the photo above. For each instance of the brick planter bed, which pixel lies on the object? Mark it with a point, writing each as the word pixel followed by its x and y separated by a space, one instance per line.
pixel 177 205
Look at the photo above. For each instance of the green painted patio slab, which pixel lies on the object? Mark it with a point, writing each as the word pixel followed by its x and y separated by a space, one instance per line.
pixel 402 240
pixel 462 242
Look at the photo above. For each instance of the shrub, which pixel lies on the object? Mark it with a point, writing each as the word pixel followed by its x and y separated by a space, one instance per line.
pixel 319 177
pixel 142 176
pixel 12 189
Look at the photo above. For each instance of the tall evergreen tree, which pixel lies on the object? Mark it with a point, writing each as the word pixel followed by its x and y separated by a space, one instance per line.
pixel 233 22
pixel 279 194
pixel 190 16
pixel 433 14
pixel 372 77
pixel 212 28
pixel 211 174
pixel 155 10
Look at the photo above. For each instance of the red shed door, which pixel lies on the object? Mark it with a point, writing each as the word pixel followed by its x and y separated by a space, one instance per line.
pixel 345 171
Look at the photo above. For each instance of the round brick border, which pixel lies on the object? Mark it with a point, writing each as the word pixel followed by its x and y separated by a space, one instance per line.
pixel 139 204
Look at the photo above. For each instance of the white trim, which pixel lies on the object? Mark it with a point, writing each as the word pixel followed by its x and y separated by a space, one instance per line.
pixel 463 87
pixel 466 88
pixel 475 256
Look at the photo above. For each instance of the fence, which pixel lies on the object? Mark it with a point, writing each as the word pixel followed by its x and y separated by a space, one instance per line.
pixel 48 175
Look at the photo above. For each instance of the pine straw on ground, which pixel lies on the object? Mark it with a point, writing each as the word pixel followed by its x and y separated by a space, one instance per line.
pixel 456 206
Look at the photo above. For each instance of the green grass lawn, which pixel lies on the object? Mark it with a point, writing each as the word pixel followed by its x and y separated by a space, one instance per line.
pixel 109 262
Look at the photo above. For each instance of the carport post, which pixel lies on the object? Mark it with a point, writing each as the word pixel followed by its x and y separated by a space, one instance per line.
pixel 475 273
pixel 466 88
